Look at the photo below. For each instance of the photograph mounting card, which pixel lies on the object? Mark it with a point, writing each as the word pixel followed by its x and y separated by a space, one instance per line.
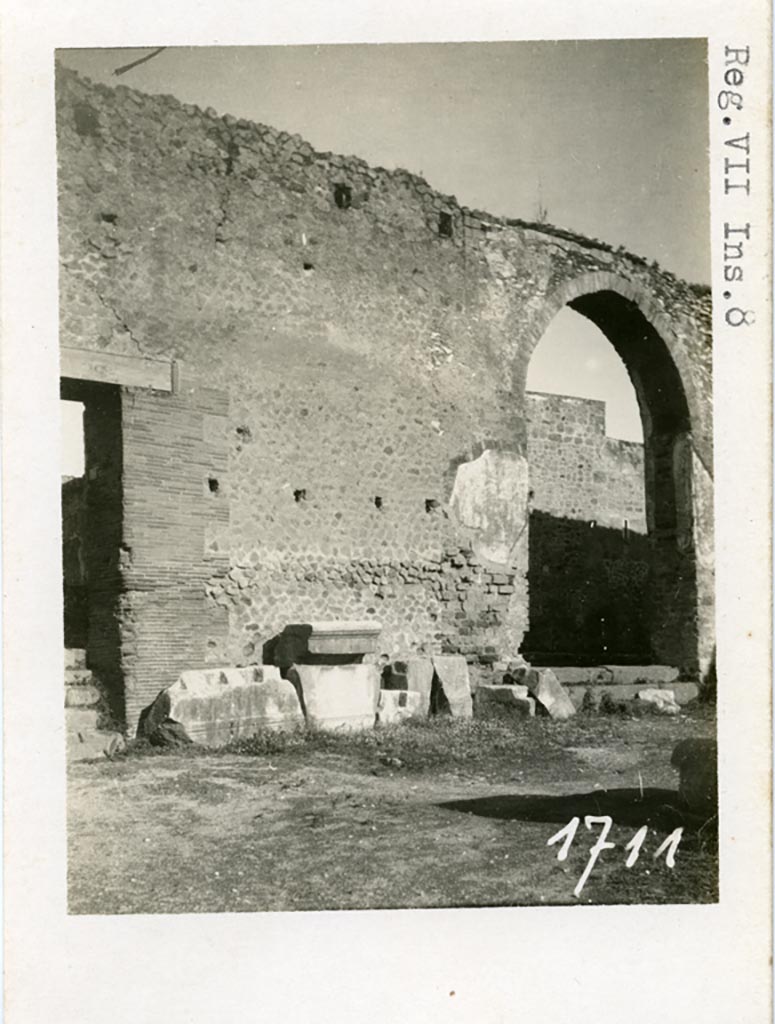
pixel 400 520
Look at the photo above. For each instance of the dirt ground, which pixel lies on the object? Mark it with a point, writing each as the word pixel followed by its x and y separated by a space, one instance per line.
pixel 444 815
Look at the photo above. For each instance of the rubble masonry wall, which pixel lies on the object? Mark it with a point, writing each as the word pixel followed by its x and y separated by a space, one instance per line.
pixel 346 339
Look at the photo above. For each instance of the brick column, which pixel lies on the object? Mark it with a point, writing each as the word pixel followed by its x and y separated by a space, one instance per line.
pixel 175 527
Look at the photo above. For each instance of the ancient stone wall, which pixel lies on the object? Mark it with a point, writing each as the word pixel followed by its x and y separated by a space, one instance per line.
pixel 370 338
pixel 576 471
pixel 590 562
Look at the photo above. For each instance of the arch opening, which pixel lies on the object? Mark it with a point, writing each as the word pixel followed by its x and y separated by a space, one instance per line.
pixel 611 553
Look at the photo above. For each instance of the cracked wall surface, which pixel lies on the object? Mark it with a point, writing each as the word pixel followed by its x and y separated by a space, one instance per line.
pixel 360 352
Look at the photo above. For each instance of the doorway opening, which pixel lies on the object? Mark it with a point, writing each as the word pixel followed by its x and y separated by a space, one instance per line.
pixel 92 527
pixel 611 571
pixel 76 616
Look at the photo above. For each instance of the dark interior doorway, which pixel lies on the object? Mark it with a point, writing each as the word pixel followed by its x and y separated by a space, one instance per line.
pixel 76 616
pixel 92 528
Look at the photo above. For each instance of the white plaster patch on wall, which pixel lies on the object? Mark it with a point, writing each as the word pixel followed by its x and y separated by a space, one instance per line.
pixel 489 497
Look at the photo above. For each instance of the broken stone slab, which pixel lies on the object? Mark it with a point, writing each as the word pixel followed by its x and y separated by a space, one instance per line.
pixel 85 738
pixel 548 692
pixel 411 674
pixel 451 690
pixel 355 637
pixel 83 746
pixel 663 700
pixel 503 701
pixel 329 642
pixel 214 706
pixel 169 734
pixel 683 692
pixel 396 706
pixel 696 761
pixel 335 697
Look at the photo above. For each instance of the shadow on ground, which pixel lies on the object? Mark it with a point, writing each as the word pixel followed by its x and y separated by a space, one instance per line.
pixel 661 809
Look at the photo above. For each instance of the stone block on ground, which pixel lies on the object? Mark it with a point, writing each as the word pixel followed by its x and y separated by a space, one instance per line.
pixel 334 642
pixel 169 733
pixel 81 696
pixel 696 761
pixel 214 706
pixel 683 692
pixel 411 674
pixel 651 675
pixel 451 693
pixel 84 738
pixel 663 700
pixel 75 658
pixel 615 675
pixel 335 697
pixel 549 693
pixel 344 637
pixel 81 720
pixel 88 745
pixel 499 701
pixel 396 706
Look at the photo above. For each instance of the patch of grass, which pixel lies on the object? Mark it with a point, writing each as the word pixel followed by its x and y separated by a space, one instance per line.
pixel 445 743
pixel 267 742
pixel 440 742
pixel 609 706
pixel 392 817
pixel 141 747
pixel 416 744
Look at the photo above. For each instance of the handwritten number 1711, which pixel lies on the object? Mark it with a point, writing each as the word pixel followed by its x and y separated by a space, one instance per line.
pixel 568 833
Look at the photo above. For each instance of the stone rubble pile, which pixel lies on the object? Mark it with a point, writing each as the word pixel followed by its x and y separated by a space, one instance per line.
pixel 323 680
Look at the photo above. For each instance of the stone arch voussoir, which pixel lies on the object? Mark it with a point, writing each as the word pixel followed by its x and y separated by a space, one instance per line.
pixel 599 281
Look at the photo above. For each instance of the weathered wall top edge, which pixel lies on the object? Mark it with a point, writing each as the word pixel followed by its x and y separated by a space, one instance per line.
pixel 484 221
pixel 557 397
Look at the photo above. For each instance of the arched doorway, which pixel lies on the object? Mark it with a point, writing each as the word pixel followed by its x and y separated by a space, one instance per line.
pixel 628 595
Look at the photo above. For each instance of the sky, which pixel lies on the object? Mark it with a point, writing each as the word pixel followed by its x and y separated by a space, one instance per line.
pixel 609 137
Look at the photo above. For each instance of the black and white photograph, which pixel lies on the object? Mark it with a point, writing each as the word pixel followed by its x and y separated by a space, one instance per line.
pixel 386 422
pixel 387 495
